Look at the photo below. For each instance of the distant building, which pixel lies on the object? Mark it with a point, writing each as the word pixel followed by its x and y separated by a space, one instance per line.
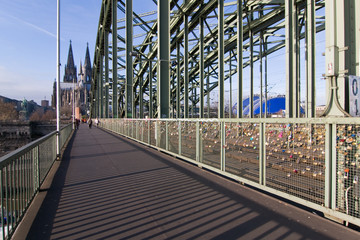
pixel 45 103
pixel 75 84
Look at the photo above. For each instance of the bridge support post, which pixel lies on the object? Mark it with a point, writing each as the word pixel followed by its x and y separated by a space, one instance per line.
pixel 310 59
pixel 129 92
pixel 106 53
pixel 221 109
pixel 114 60
pixel 201 63
pixel 239 59
pixel 164 58
pixel 178 81
pixel 330 166
pixel 100 89
pixel 342 53
pixel 186 67
pixel 291 45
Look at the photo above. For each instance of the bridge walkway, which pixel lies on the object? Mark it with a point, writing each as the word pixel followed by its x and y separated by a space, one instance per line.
pixel 108 187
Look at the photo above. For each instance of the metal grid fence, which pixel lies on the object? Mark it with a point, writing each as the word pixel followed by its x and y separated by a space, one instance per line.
pixel 312 162
pixel 21 175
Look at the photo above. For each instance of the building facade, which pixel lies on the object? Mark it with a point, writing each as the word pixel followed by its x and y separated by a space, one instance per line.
pixel 75 87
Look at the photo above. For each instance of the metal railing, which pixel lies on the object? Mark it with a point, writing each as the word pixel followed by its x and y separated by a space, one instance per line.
pixel 313 162
pixel 21 174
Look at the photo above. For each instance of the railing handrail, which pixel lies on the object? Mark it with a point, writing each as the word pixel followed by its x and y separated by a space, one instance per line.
pixel 325 120
pixel 20 151
pixel 315 154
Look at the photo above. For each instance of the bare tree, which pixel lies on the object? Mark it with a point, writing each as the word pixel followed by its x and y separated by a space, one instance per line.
pixel 8 111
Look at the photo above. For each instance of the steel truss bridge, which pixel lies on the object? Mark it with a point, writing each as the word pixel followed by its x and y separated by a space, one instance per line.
pixel 166 78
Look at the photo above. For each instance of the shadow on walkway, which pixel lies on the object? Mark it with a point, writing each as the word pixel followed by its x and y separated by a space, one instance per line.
pixel 107 187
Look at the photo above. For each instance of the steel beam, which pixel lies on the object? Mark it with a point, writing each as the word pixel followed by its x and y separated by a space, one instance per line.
pixel 100 88
pixel 114 60
pixel 106 65
pixel 129 91
pixel 239 25
pixel 164 58
pixel 201 66
pixel 221 99
pixel 290 41
pixel 310 59
pixel 178 81
pixel 186 67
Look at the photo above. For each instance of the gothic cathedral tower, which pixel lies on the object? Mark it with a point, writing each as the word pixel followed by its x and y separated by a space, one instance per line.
pixel 87 66
pixel 73 90
pixel 70 68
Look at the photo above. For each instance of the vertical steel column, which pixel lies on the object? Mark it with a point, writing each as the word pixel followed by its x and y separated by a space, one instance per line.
pixel 261 71
pixel 101 90
pixel 141 97
pixel 221 109
pixel 251 59
pixel 178 80
pixel 106 53
pixel 230 82
pixel 291 60
pixel 186 67
pixel 208 91
pixel 266 83
pixel 172 93
pixel 201 63
pixel 239 59
pixel 222 146
pixel 114 60
pixel 342 24
pixel 330 166
pixel 310 59
pixel 151 111
pixel 197 145
pixel 57 81
pixel 164 58
pixel 129 110
pixel 262 154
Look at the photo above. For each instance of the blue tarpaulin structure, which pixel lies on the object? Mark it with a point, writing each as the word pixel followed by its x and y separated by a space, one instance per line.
pixel 274 105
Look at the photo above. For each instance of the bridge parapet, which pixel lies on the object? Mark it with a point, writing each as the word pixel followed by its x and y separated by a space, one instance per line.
pixel 21 175
pixel 315 163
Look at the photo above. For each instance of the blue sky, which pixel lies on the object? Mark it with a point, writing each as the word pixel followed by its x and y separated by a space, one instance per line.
pixel 28 43
pixel 28 46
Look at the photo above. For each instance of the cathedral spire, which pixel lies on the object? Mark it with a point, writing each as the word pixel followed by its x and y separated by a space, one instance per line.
pixel 87 57
pixel 87 66
pixel 70 68
pixel 70 60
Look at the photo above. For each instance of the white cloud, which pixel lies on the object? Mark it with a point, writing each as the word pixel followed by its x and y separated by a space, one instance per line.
pixel 40 29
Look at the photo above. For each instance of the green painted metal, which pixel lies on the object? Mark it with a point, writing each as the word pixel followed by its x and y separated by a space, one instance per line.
pixel 186 67
pixel 114 59
pixel 130 111
pixel 329 203
pixel 310 60
pixel 178 80
pixel 164 58
pixel 221 99
pixel 341 55
pixel 257 28
pixel 151 110
pixel 101 88
pixel 290 8
pixel 21 174
pixel 141 98
pixel 106 73
pixel 201 66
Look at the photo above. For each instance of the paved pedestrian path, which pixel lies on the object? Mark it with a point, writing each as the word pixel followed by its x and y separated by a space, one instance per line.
pixel 108 187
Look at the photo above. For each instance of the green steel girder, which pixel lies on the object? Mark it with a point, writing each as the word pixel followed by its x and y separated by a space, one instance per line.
pixel 271 22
